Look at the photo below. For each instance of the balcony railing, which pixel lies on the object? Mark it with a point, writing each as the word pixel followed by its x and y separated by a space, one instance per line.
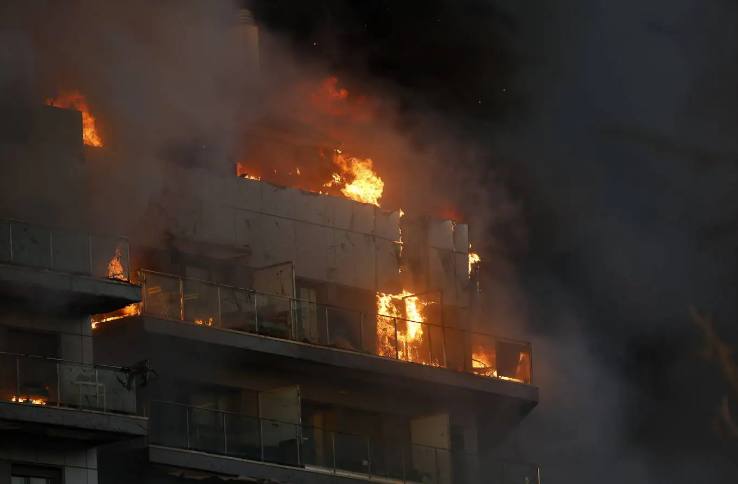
pixel 171 297
pixel 32 380
pixel 64 250
pixel 324 451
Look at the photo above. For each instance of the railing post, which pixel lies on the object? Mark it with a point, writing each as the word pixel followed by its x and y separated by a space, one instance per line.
pixel 261 437
pixel 128 260
pixel 369 456
pixel 361 331
pixel 17 379
pixel 430 344
pixel 298 436
pixel 397 340
pixel 58 384
pixel 181 299
pixel 225 435
pixel 333 450
pixel 51 249
pixel 256 317
pixel 89 254
pixel 10 239
pixel 327 328
pixel 220 309
pixel 187 425
pixel 438 469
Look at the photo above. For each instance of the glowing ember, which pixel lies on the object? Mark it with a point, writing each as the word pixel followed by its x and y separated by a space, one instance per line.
pixel 400 329
pixel 75 100
pixel 204 322
pixel 27 399
pixel 357 179
pixel 127 311
pixel 115 266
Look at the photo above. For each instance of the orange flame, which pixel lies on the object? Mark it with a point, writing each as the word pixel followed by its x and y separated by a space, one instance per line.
pixel 127 311
pixel 27 399
pixel 205 322
pixel 115 266
pixel 474 260
pixel 357 179
pixel 75 100
pixel 400 327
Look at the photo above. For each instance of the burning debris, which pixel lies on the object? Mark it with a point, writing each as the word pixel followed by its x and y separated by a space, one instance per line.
pixel 75 100
pixel 116 269
pixel 127 311
pixel 28 399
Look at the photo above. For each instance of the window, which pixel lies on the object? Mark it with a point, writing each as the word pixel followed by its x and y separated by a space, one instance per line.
pixel 24 474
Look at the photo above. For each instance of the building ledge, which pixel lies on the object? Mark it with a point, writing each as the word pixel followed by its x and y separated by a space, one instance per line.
pixel 237 467
pixel 68 290
pixel 70 423
pixel 342 359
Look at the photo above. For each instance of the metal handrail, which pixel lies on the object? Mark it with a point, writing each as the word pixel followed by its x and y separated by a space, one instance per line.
pixel 332 306
pixel 49 381
pixel 53 233
pixel 400 347
pixel 366 458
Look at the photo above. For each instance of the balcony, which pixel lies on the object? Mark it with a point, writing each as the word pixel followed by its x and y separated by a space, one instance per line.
pixel 60 398
pixel 86 272
pixel 268 448
pixel 285 329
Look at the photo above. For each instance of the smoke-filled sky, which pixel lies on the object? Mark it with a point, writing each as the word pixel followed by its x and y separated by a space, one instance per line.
pixel 611 127
pixel 591 143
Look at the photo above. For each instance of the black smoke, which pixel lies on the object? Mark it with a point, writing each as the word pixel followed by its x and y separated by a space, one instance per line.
pixel 612 126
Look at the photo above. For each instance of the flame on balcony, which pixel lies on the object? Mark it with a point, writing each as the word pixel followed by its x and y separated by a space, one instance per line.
pixel 474 261
pixel 125 312
pixel 402 338
pixel 484 363
pixel 205 322
pixel 28 399
pixel 115 266
pixel 75 100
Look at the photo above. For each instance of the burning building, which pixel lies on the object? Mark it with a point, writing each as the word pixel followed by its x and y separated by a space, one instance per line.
pixel 244 329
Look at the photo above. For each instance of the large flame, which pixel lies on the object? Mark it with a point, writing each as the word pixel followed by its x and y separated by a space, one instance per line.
pixel 357 179
pixel 75 100
pixel 400 331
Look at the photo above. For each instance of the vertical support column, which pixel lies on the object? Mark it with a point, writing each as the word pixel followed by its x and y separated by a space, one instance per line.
pixel 369 456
